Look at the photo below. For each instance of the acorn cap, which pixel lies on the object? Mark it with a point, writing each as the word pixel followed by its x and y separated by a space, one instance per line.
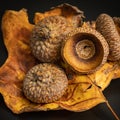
pixel 47 36
pixel 45 83
pixel 85 50
pixel 106 26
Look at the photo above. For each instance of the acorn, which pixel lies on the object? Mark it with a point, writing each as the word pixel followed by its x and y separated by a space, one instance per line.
pixel 106 26
pixel 47 36
pixel 85 50
pixel 45 83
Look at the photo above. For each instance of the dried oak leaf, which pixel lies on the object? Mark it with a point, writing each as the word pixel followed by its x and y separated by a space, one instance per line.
pixel 82 93
pixel 103 77
pixel 16 32
pixel 71 13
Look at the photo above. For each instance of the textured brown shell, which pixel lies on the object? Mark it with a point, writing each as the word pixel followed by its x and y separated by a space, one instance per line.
pixel 81 64
pixel 45 83
pixel 47 37
pixel 106 26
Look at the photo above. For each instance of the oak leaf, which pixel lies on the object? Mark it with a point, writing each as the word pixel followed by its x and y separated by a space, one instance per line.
pixel 83 92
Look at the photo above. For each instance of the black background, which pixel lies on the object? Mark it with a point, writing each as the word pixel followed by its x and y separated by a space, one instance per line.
pixel 91 8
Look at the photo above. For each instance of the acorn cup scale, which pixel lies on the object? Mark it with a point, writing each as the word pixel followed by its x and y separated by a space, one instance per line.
pixel 85 50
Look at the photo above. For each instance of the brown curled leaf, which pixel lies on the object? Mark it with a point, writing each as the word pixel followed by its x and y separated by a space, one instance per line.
pixel 71 13
pixel 16 32
pixel 81 95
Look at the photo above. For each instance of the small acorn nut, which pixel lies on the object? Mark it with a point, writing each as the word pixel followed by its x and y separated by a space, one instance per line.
pixel 85 50
pixel 106 26
pixel 45 83
pixel 47 36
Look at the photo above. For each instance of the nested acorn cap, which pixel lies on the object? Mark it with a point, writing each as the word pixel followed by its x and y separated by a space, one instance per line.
pixel 106 26
pixel 45 83
pixel 47 36
pixel 85 50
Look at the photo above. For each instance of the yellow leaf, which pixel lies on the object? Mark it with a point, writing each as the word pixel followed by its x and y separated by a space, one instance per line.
pixel 104 75
pixel 82 93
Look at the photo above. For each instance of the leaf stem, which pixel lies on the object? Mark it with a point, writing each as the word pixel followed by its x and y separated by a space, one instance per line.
pixel 111 109
pixel 106 101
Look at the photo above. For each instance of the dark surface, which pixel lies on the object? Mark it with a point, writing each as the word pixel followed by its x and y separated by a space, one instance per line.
pixel 91 8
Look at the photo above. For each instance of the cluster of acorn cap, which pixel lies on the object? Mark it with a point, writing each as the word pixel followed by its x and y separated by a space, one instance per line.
pixel 83 48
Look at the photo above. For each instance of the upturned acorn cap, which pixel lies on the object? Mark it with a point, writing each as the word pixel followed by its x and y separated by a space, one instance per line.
pixel 85 50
